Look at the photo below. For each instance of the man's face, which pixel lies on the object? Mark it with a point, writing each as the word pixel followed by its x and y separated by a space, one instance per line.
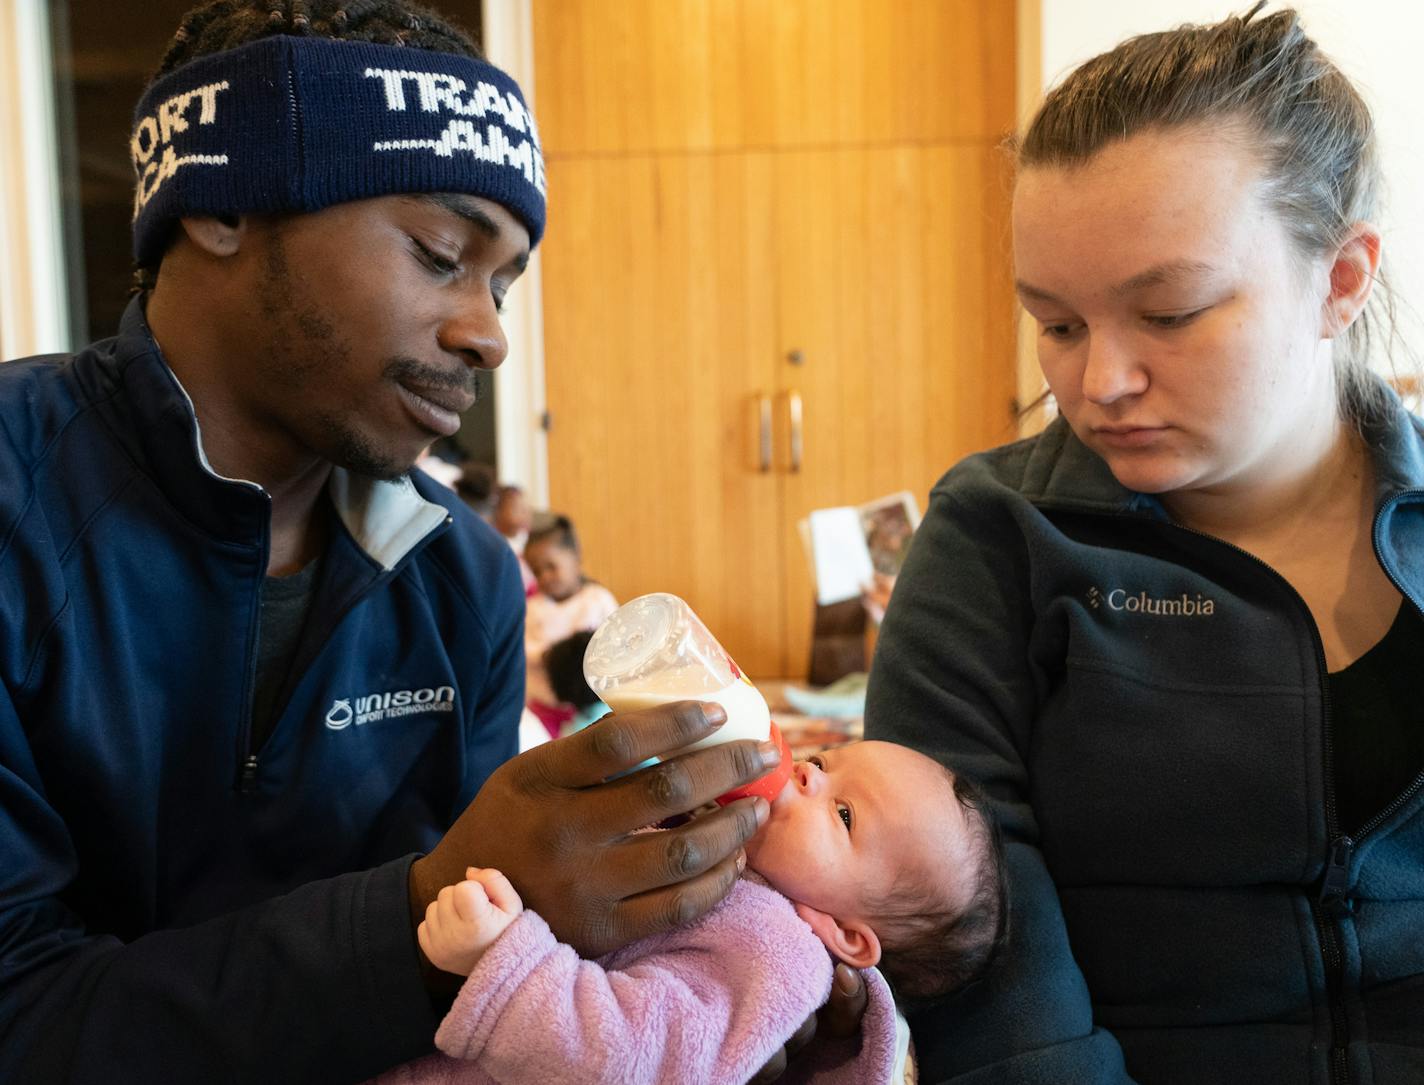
pixel 372 319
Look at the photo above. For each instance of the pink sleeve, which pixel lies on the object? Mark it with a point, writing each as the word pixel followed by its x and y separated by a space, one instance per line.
pixel 710 1002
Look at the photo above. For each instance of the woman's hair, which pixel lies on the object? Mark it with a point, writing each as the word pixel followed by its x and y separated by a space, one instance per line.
pixel 557 529
pixel 930 945
pixel 220 25
pixel 1294 108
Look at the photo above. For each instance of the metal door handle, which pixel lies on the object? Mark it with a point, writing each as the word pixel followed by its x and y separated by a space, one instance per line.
pixel 793 406
pixel 764 443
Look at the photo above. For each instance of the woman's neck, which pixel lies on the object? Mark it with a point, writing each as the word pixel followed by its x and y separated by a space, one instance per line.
pixel 1322 484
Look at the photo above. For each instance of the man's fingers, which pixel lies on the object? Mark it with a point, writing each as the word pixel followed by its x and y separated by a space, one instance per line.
pixel 618 742
pixel 772 1071
pixel 649 861
pixel 661 909
pixel 841 1014
pixel 673 787
pixel 802 1036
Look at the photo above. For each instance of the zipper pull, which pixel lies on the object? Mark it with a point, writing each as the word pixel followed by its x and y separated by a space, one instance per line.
pixel 1336 883
pixel 247 777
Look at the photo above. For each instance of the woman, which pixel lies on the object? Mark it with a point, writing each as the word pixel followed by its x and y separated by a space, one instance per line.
pixel 1176 635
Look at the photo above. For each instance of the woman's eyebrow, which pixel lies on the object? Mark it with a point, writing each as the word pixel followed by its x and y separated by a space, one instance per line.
pixel 1167 272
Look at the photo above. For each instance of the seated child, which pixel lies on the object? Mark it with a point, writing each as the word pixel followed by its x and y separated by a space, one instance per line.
pixel 563 664
pixel 567 602
pixel 872 850
pixel 511 518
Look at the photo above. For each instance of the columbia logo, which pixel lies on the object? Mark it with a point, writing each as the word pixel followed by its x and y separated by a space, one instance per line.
pixel 1195 605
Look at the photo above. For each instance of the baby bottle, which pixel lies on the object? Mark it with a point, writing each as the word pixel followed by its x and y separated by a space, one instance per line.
pixel 654 650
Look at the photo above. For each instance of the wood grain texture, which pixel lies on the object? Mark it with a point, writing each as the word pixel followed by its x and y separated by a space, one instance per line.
pixel 734 180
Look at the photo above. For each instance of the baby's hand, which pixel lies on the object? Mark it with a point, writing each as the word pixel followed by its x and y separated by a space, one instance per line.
pixel 465 919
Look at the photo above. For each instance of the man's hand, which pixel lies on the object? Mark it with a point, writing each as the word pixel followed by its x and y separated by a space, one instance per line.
pixel 563 833
pixel 839 1018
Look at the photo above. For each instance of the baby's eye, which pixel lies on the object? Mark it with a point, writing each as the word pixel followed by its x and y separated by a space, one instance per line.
pixel 817 762
pixel 844 811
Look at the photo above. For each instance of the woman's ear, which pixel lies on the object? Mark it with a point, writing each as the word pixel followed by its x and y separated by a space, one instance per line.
pixel 851 941
pixel 216 235
pixel 1352 279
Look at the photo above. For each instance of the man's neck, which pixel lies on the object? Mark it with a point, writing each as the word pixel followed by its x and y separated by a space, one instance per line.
pixel 236 444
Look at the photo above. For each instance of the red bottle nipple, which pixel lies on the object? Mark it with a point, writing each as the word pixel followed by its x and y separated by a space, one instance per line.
pixel 770 785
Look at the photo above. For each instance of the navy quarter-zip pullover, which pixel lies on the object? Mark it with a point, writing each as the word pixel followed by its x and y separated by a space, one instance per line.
pixel 178 904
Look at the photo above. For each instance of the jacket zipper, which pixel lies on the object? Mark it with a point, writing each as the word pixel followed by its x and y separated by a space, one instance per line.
pixel 1333 901
pixel 246 782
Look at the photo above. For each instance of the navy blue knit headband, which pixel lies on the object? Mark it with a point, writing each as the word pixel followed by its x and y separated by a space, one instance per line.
pixel 290 124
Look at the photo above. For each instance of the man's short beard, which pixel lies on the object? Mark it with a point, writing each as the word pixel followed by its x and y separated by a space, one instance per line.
pixel 358 454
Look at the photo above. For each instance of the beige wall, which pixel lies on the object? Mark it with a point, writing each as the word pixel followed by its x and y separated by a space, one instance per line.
pixel 33 307
pixel 1376 42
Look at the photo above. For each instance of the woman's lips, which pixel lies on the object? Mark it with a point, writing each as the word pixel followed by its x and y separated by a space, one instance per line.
pixel 1129 436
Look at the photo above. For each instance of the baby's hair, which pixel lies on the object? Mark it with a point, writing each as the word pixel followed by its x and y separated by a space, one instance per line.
pixel 557 529
pixel 220 25
pixel 931 947
pixel 564 663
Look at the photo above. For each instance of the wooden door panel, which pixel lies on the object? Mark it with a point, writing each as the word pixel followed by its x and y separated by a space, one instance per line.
pixel 655 353
pixel 893 286
pixel 677 75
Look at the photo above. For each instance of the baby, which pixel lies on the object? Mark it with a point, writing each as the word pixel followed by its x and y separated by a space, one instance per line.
pixel 872 850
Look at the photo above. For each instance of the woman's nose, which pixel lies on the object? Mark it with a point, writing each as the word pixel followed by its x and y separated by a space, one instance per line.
pixel 1111 370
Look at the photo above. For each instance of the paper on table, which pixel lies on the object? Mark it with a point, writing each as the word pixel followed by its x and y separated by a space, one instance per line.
pixel 840 555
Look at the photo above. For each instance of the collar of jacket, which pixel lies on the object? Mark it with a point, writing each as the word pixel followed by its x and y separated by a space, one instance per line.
pixel 1062 471
pixel 386 519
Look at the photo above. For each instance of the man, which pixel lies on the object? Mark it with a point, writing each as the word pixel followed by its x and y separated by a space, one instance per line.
pixel 260 685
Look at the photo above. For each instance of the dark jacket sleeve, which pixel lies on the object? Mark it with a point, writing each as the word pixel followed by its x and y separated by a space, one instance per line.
pixel 954 677
pixel 319 985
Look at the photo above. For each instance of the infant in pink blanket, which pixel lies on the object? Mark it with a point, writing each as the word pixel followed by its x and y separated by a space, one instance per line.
pixel 875 852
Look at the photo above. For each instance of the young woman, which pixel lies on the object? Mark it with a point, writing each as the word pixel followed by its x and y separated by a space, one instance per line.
pixel 1178 635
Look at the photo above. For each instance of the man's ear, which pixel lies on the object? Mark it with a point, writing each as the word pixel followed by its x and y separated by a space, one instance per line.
pixel 1352 279
pixel 216 235
pixel 851 940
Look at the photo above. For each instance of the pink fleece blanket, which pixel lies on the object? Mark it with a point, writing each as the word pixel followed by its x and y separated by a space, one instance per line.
pixel 702 1005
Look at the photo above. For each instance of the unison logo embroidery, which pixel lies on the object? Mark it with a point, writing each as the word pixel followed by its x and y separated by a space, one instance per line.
pixel 1170 606
pixel 374 707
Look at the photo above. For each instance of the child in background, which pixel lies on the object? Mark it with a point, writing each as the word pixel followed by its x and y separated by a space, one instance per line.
pixel 872 850
pixel 567 603
pixel 512 518
pixel 563 664
pixel 477 489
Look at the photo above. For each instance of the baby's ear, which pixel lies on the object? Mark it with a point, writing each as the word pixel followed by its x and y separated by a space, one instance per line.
pixel 851 940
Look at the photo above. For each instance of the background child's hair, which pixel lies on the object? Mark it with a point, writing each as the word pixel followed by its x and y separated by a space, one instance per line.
pixel 477 487
pixel 564 663
pixel 929 947
pixel 555 528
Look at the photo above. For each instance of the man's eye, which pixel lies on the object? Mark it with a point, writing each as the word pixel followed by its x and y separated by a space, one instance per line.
pixel 844 811
pixel 433 260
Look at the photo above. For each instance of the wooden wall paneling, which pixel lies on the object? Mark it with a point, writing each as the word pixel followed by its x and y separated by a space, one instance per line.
pixel 656 75
pixel 655 352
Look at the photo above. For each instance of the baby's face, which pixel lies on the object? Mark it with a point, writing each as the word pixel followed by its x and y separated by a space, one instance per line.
pixel 852 819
